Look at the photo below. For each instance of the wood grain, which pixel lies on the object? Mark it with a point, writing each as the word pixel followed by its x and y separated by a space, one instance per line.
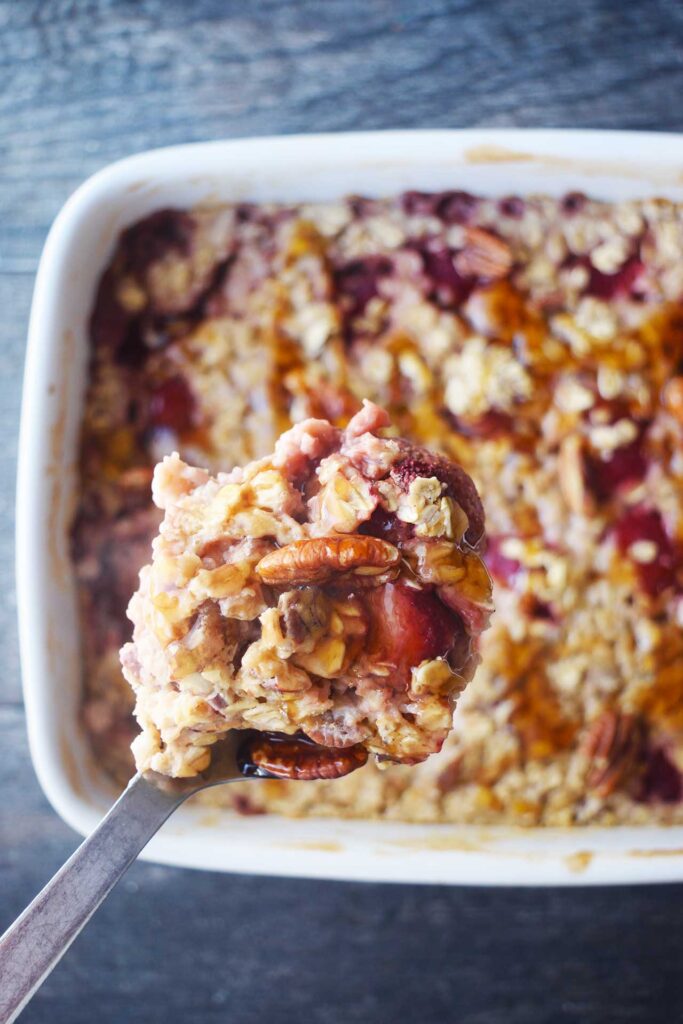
pixel 84 82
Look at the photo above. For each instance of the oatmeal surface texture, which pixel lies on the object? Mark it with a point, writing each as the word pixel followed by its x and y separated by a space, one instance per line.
pixel 536 341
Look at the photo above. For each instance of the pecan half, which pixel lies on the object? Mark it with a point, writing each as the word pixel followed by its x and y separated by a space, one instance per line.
pixel 614 745
pixel 484 255
pixel 336 731
pixel 325 558
pixel 296 757
pixel 449 777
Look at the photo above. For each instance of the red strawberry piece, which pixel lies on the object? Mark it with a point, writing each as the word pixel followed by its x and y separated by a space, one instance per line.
pixel 152 238
pixel 609 286
pixel 623 468
pixel 661 779
pixel 409 626
pixel 172 405
pixel 388 526
pixel 439 266
pixel 109 322
pixel 573 202
pixel 357 282
pixel 416 462
pixel 453 207
pixel 646 524
pixel 502 568
pixel 512 206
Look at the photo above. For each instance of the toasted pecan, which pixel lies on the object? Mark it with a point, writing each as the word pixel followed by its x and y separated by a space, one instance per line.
pixel 614 746
pixel 325 558
pixel 296 757
pixel 484 255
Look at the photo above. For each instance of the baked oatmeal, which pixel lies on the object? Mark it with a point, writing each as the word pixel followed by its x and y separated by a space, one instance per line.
pixel 536 341
pixel 332 590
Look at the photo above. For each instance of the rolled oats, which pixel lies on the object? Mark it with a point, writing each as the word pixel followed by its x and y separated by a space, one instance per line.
pixel 586 341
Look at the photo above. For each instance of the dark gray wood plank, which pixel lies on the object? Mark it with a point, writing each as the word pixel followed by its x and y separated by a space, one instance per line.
pixel 83 82
pixel 15 300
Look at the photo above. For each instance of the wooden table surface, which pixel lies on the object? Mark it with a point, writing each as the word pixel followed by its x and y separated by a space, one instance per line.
pixel 83 82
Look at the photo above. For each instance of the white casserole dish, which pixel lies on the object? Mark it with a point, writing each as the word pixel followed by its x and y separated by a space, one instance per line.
pixel 609 165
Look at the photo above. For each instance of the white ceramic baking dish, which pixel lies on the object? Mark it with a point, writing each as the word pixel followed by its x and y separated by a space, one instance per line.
pixel 607 164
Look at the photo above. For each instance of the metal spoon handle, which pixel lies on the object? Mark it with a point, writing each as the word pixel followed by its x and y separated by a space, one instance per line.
pixel 33 945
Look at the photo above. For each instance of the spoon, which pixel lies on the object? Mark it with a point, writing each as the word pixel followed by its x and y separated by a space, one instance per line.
pixel 33 945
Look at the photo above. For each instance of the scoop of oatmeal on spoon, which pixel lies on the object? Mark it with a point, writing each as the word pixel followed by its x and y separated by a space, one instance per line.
pixel 328 598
